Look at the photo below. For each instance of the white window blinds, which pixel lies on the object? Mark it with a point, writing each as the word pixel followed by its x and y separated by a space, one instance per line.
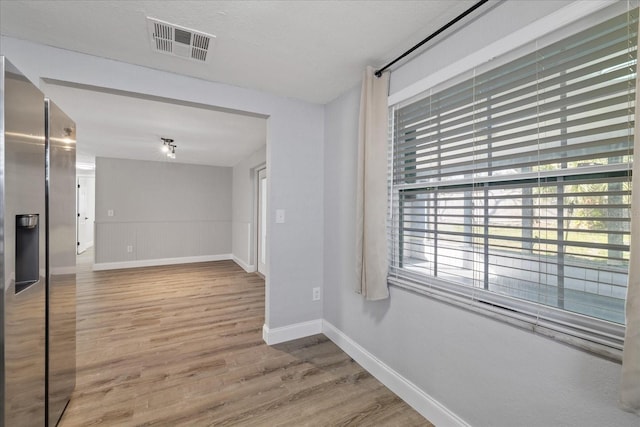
pixel 516 182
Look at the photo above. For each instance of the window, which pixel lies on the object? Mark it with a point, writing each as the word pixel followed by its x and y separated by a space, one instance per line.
pixel 511 188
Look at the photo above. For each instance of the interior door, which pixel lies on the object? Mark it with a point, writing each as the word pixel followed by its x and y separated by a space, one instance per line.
pixel 262 222
pixel 85 217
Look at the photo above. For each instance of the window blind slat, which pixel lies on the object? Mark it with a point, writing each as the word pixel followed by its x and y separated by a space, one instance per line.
pixel 523 128
pixel 521 109
pixel 492 84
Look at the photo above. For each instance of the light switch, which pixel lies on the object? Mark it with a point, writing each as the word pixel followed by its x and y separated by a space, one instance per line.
pixel 279 216
pixel 110 212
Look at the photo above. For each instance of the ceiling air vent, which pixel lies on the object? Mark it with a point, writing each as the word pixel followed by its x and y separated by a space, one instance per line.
pixel 179 41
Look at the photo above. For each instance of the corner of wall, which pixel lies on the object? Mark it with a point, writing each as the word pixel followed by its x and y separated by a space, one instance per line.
pixel 249 268
pixel 291 332
pixel 422 402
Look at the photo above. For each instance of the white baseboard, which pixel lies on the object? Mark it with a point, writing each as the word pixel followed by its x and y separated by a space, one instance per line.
pixel 158 262
pixel 427 406
pixel 291 332
pixel 249 268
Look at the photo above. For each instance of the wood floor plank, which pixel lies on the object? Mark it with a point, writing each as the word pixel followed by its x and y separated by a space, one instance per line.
pixel 182 345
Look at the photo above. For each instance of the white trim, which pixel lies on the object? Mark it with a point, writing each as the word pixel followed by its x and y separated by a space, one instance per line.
pixel 426 405
pixel 249 241
pixel 539 28
pixel 291 332
pixel 160 261
pixel 249 268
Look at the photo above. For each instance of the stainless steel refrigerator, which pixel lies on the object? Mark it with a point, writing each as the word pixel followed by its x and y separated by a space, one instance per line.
pixel 37 254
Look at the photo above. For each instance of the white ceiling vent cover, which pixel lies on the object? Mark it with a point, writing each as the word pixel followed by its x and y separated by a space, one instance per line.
pixel 179 41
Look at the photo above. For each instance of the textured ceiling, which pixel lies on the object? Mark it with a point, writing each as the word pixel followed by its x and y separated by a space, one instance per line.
pixel 309 50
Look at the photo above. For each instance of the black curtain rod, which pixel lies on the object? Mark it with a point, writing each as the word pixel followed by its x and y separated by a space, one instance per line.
pixel 379 72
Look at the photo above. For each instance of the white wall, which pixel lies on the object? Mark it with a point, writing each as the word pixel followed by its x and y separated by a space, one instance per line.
pixel 295 135
pixel 244 208
pixel 486 372
pixel 169 210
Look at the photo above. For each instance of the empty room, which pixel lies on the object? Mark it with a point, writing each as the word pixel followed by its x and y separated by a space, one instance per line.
pixel 319 213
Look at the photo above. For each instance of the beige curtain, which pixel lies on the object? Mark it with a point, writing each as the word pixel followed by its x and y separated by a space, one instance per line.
pixel 371 198
pixel 630 383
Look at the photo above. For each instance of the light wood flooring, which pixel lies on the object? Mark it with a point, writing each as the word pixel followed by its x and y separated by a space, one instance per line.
pixel 182 345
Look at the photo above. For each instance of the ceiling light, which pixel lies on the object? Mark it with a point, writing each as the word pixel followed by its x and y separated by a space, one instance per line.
pixel 169 147
pixel 68 132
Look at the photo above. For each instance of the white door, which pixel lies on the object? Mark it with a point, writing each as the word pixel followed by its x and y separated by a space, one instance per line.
pixel 86 208
pixel 262 222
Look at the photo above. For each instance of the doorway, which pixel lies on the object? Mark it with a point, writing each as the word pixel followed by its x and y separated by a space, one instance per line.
pixel 262 222
pixel 85 200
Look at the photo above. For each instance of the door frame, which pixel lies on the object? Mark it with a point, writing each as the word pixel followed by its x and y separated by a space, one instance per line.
pixel 257 217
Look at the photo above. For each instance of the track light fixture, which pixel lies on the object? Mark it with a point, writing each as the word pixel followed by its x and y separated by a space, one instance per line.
pixel 168 147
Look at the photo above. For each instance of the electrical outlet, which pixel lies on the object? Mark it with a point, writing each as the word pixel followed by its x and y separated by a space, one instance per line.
pixel 110 212
pixel 316 294
pixel 129 248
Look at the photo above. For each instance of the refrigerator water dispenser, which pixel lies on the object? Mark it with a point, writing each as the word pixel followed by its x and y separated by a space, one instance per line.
pixel 27 251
